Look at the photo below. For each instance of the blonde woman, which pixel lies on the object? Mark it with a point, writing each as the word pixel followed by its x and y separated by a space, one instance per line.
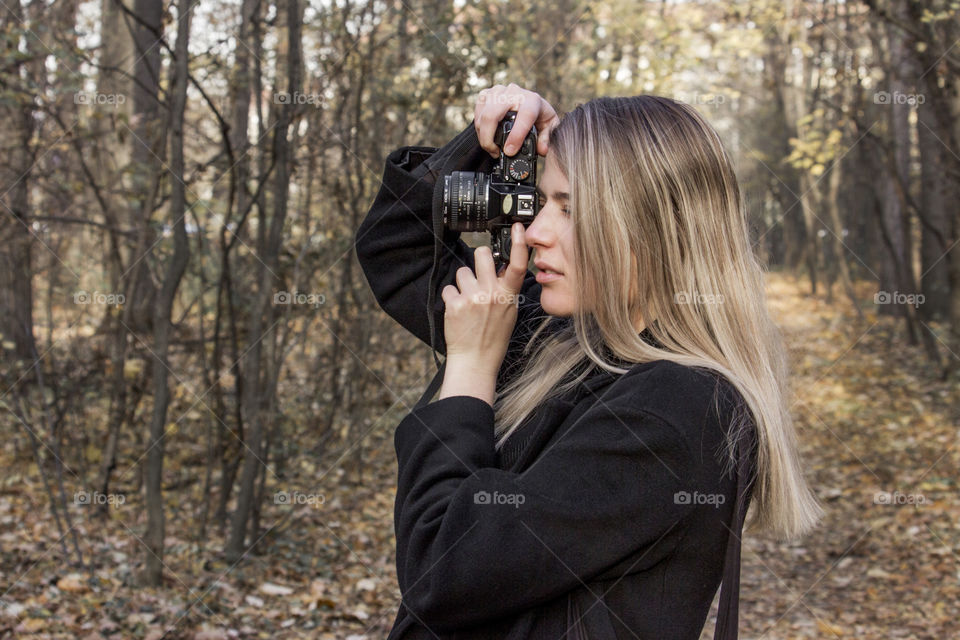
pixel 602 424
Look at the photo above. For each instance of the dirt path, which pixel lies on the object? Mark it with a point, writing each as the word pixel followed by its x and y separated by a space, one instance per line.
pixel 880 439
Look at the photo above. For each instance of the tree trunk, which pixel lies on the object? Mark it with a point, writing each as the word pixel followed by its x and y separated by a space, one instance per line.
pixel 937 201
pixel 147 142
pixel 268 247
pixel 896 272
pixel 16 126
pixel 153 538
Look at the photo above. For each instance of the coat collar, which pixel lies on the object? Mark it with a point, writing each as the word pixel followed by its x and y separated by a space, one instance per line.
pixel 600 377
pixel 556 409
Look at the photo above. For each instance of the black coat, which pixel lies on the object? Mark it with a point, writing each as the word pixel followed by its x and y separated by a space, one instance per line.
pixel 607 514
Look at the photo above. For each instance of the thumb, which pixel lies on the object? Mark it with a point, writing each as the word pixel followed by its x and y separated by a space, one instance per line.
pixel 512 278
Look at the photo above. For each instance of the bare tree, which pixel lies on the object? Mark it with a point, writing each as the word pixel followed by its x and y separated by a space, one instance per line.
pixel 177 264
pixel 269 237
pixel 19 151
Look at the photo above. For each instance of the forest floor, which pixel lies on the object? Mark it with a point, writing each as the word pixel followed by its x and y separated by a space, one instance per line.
pixel 879 434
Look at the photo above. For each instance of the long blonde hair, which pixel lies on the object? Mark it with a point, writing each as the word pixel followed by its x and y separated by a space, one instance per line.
pixel 654 195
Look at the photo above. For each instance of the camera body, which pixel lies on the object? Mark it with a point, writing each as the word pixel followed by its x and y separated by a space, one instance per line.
pixel 477 201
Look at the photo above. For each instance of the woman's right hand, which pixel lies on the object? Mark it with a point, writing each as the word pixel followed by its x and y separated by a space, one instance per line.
pixel 532 109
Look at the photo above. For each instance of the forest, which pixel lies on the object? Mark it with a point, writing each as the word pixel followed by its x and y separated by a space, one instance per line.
pixel 198 390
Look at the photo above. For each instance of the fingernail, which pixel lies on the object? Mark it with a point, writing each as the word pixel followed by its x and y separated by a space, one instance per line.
pixel 509 149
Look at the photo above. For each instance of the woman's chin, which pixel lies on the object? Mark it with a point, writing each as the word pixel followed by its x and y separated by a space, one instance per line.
pixel 553 307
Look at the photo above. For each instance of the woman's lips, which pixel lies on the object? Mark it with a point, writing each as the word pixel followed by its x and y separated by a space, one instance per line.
pixel 543 277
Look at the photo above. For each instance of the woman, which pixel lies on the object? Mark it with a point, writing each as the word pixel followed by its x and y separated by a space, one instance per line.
pixel 601 426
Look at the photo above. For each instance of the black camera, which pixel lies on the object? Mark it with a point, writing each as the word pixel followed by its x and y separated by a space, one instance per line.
pixel 476 201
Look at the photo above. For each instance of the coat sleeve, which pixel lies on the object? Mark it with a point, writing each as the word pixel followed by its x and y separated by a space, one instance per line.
pixel 394 243
pixel 475 543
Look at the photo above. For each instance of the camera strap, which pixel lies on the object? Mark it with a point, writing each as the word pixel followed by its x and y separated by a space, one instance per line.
pixel 448 162
pixel 727 613
pixel 437 221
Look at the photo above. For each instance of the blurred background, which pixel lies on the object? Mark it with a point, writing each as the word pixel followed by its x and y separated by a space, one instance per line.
pixel 199 391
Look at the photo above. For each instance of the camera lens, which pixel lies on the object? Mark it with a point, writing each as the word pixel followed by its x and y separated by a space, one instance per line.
pixel 465 200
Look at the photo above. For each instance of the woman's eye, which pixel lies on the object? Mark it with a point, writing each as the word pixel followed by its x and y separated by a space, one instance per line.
pixel 542 202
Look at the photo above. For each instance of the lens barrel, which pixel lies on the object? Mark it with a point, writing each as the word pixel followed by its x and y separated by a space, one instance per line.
pixel 465 200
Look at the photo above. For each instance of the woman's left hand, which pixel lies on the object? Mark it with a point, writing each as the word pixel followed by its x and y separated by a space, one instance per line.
pixel 481 310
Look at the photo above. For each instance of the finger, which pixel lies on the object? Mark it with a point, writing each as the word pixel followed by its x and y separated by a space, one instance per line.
pixel 481 100
pixel 546 122
pixel 488 116
pixel 512 278
pixel 465 280
pixel 486 127
pixel 486 272
pixel 543 143
pixel 527 110
pixel 448 294
pixel 478 118
pixel 543 137
pixel 547 117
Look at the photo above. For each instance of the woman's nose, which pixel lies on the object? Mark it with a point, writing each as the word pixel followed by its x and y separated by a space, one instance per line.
pixel 538 233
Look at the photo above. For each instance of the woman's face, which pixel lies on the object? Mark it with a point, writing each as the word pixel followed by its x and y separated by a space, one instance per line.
pixel 550 235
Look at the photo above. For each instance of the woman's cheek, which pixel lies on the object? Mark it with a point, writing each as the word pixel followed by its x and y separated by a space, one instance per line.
pixel 567 291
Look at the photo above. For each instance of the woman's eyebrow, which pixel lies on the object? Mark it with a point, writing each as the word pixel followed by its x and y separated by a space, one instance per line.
pixel 557 195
